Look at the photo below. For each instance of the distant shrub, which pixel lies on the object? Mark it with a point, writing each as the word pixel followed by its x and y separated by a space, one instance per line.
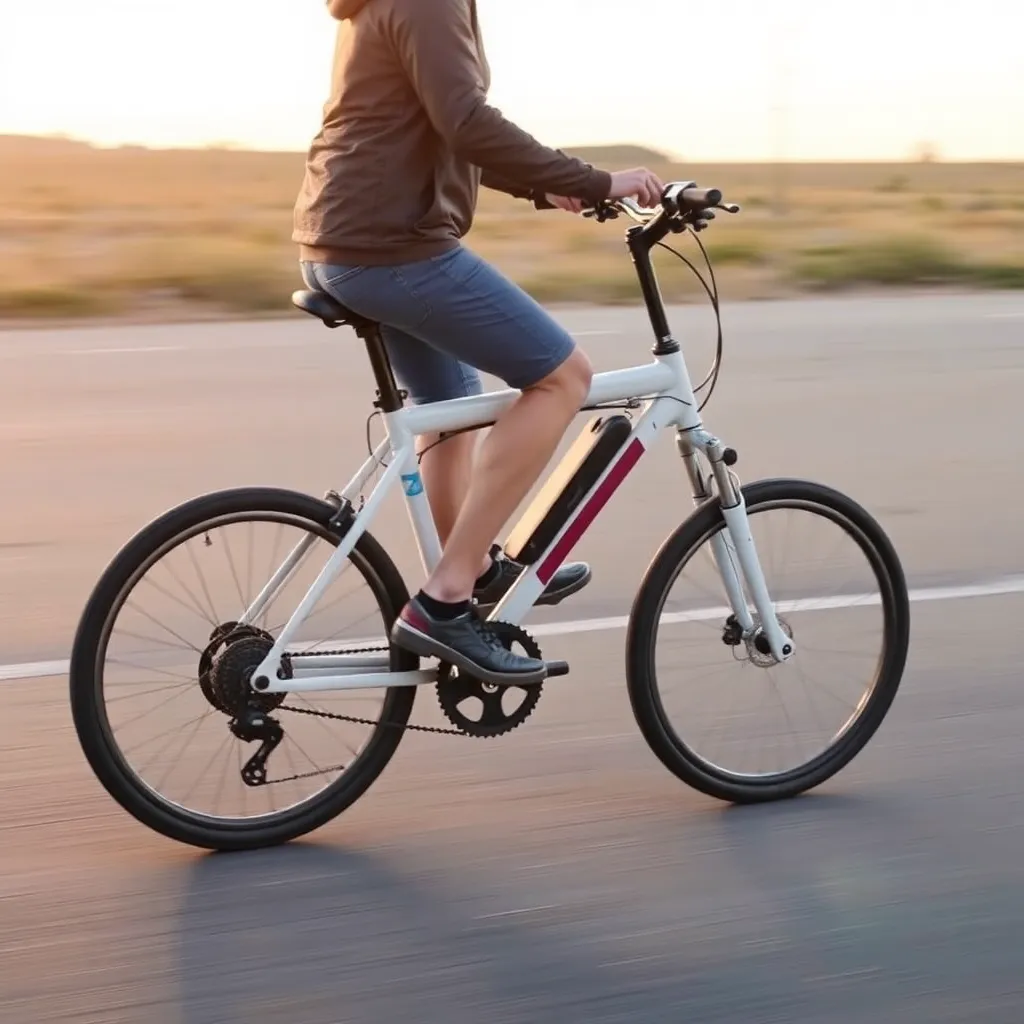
pixel 900 260
pixel 895 183
pixel 998 275
pixel 609 288
pixel 741 250
pixel 55 302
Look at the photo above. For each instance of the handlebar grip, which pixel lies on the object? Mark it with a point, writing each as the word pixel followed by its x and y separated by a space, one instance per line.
pixel 700 198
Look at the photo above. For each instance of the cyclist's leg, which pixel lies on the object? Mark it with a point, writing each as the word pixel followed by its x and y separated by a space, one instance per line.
pixel 426 374
pixel 429 374
pixel 460 305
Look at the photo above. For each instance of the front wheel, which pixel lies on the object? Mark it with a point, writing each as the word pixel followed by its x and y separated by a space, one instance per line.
pixel 160 671
pixel 687 666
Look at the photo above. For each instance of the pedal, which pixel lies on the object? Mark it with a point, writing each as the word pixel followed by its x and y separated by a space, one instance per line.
pixel 557 668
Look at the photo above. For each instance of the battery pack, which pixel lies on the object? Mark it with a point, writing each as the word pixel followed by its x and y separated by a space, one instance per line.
pixel 580 468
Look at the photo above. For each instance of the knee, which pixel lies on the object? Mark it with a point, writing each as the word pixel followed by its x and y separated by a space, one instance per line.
pixel 572 379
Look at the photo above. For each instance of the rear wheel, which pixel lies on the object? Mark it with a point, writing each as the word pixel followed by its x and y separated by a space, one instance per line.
pixel 686 661
pixel 161 629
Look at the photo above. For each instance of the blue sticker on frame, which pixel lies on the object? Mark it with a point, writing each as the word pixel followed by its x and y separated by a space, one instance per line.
pixel 413 484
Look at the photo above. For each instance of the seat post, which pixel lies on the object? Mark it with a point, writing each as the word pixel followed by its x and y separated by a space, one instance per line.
pixel 389 398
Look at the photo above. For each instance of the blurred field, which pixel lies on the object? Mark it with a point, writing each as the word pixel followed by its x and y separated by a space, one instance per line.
pixel 89 232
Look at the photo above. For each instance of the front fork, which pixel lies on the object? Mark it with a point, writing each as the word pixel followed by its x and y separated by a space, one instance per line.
pixel 733 548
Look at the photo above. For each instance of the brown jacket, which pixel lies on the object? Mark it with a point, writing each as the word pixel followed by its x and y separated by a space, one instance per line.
pixel 408 138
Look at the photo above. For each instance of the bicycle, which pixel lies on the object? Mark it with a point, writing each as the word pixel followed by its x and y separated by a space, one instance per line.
pixel 243 672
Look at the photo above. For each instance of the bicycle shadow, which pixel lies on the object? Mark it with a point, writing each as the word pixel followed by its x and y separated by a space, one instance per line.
pixel 324 935
pixel 317 934
pixel 848 879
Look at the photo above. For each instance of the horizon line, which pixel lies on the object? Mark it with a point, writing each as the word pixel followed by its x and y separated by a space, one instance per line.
pixel 228 146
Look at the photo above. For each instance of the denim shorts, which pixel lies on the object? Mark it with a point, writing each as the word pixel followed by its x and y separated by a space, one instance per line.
pixel 445 318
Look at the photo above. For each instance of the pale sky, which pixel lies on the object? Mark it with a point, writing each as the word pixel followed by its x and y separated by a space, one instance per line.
pixel 802 79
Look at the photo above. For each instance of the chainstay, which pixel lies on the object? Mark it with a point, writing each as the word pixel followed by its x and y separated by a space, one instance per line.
pixel 355 719
pixel 314 713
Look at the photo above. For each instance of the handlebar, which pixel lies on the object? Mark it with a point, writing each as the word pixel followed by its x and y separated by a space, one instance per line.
pixel 680 201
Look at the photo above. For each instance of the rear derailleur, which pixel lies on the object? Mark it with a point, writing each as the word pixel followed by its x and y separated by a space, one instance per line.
pixel 252 726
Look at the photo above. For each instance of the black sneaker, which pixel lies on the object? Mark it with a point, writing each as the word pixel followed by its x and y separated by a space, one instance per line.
pixel 465 642
pixel 570 579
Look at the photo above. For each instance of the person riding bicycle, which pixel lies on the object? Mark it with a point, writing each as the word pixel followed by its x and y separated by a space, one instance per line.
pixel 389 192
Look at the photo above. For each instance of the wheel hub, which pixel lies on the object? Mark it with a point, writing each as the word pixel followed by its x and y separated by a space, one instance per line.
pixel 758 649
pixel 227 665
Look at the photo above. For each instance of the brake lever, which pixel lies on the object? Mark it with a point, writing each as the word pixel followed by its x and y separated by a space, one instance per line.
pixel 602 213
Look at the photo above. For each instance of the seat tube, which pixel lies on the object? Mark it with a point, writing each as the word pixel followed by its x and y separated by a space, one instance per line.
pixel 389 398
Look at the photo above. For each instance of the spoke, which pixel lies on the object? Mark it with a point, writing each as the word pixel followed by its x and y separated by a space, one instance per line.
pixel 234 574
pixel 202 775
pixel 214 617
pixel 208 614
pixel 162 704
pixel 176 729
pixel 150 668
pixel 248 569
pixel 146 693
pixel 166 629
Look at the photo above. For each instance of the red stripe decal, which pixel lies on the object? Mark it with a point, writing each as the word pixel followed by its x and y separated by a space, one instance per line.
pixel 586 515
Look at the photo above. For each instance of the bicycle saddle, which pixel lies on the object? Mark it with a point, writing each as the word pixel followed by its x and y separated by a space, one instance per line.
pixel 328 309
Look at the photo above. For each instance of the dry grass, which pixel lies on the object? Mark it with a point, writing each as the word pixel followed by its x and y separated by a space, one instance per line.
pixel 88 232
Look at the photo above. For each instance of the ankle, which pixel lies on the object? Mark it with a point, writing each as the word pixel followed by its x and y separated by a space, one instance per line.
pixel 448 591
pixel 443 610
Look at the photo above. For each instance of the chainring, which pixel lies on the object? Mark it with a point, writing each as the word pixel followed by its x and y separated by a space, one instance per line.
pixel 454 688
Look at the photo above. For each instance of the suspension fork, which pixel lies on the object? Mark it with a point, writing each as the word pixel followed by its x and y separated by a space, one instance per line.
pixel 733 548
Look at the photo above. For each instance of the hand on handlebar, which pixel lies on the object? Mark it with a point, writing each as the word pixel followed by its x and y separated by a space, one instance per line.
pixel 566 203
pixel 639 183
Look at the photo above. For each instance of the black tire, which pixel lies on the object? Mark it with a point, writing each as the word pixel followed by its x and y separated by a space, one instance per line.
pixel 647 609
pixel 89 713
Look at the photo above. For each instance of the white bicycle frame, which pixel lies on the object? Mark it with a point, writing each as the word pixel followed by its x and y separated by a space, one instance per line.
pixel 664 392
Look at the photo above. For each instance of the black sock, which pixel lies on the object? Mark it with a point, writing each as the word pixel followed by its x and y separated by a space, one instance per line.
pixel 444 610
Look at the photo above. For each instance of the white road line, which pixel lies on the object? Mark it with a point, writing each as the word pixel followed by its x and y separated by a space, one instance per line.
pixel 33 670
pixel 992 588
pixel 122 351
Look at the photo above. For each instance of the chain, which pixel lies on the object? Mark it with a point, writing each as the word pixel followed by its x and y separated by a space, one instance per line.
pixel 314 713
pixel 347 650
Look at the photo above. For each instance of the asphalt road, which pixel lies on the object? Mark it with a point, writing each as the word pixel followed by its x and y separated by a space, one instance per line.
pixel 560 873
